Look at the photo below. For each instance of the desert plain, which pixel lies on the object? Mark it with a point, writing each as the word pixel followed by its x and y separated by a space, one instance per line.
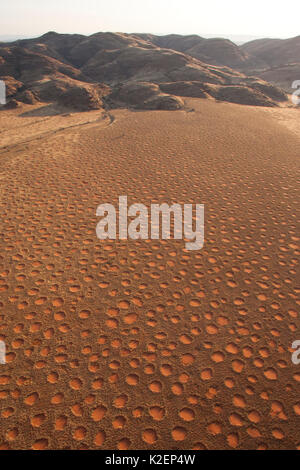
pixel 143 344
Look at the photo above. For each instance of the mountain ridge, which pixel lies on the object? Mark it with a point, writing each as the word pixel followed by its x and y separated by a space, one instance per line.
pixel 102 63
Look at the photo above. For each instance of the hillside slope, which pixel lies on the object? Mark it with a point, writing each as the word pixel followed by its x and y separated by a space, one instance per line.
pixel 80 71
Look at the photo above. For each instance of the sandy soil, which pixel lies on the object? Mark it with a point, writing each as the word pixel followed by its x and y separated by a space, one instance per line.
pixel 144 345
pixel 288 117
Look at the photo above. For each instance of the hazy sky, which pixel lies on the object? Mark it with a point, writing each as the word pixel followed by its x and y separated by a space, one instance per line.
pixel 223 17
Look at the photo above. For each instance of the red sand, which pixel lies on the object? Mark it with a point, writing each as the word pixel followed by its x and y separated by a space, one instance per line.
pixel 144 345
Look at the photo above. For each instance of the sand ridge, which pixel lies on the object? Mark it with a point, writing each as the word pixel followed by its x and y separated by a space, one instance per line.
pixel 144 345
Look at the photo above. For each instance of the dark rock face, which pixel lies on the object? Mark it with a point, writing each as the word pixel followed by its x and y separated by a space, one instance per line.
pixel 141 71
pixel 13 86
pixel 12 104
pixel 27 97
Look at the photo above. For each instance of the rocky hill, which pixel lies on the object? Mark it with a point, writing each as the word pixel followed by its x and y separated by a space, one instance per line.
pixel 216 51
pixel 142 71
pixel 281 59
pixel 274 52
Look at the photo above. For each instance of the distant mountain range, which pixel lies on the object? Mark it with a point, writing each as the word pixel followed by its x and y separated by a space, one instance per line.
pixel 236 38
pixel 147 71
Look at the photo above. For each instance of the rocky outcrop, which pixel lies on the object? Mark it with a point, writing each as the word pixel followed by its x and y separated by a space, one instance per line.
pixel 72 94
pixel 13 86
pixel 141 95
